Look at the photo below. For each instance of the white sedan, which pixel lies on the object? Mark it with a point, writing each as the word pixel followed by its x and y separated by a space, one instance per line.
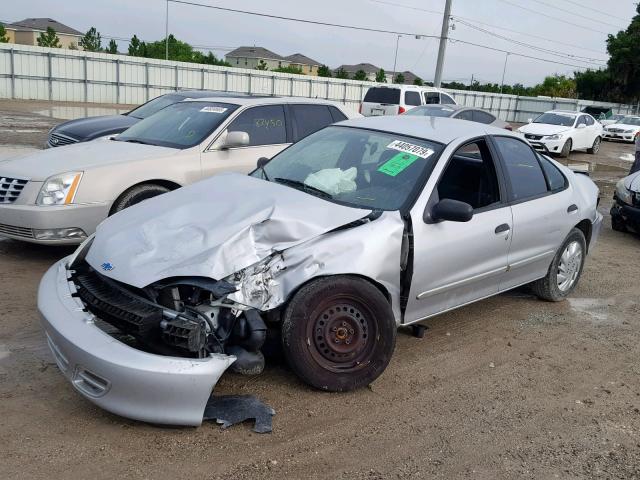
pixel 562 132
pixel 626 129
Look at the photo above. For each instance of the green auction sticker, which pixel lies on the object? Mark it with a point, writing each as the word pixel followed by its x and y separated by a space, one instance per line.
pixel 397 164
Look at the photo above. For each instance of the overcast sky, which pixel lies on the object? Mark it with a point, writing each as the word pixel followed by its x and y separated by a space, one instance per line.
pixel 335 46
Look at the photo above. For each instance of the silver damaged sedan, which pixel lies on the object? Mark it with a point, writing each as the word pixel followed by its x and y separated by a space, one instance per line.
pixel 331 245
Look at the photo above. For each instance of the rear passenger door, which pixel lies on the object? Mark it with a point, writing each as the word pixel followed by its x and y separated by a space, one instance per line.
pixel 541 206
pixel 268 132
pixel 307 119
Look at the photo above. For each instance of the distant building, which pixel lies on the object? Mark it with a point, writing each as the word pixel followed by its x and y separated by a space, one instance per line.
pixel 27 31
pixel 250 57
pixel 372 70
pixel 304 63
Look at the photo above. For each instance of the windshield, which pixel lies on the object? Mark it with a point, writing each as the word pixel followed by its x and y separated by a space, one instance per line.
pixel 152 106
pixel 617 117
pixel 383 95
pixel 431 111
pixel 355 167
pixel 181 125
pixel 630 121
pixel 562 119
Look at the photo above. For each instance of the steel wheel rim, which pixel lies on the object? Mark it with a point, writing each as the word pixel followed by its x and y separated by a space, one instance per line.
pixel 341 334
pixel 569 266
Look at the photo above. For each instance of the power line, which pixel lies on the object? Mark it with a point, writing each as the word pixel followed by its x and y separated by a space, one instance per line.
pixel 575 14
pixel 406 6
pixel 578 4
pixel 553 18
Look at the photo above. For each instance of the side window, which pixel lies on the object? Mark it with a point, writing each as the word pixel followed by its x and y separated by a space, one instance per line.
pixel 446 99
pixel 431 98
pixel 555 178
pixel 483 117
pixel 310 118
pixel 590 120
pixel 337 115
pixel 471 177
pixel 582 120
pixel 465 115
pixel 265 125
pixel 523 169
pixel 412 98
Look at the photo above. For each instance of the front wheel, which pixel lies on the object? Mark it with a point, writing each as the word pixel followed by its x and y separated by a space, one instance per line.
pixel 595 148
pixel 338 333
pixel 137 194
pixel 566 148
pixel 565 270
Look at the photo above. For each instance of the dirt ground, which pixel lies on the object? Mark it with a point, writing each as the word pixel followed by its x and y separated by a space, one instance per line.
pixel 510 387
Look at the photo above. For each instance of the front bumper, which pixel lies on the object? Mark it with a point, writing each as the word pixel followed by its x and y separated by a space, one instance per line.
pixel 117 377
pixel 20 221
pixel 630 215
pixel 547 146
pixel 627 137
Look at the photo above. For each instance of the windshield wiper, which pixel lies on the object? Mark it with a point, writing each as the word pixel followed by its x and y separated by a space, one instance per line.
pixel 298 185
pixel 133 140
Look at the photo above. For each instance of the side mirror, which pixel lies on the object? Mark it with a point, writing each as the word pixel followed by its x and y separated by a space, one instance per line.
pixel 262 161
pixel 529 120
pixel 235 139
pixel 452 211
pixel 582 125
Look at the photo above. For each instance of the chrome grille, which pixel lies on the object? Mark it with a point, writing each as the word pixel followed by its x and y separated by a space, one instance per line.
pixel 16 231
pixel 10 189
pixel 59 140
pixel 615 130
pixel 530 136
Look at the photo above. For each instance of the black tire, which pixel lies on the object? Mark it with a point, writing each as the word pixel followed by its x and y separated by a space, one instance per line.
pixel 595 148
pixel 618 224
pixel 136 195
pixel 566 148
pixel 547 288
pixel 338 333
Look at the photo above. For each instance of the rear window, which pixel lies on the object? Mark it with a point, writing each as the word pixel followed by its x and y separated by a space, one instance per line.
pixel 412 98
pixel 310 118
pixel 383 95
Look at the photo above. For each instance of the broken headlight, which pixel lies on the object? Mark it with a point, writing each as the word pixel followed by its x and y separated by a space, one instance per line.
pixel 257 285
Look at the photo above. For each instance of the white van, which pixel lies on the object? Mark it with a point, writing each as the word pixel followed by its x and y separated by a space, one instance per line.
pixel 397 99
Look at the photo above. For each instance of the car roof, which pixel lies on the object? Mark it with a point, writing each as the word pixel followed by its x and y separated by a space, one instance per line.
pixel 207 93
pixel 264 100
pixel 438 129
pixel 572 112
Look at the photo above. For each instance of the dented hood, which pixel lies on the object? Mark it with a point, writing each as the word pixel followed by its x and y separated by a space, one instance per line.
pixel 212 228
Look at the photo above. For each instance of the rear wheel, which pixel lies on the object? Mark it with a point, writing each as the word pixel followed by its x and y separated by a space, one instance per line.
pixel 136 195
pixel 617 223
pixel 596 146
pixel 338 333
pixel 566 148
pixel 565 270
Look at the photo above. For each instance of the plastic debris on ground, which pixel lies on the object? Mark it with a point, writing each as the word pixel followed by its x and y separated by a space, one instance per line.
pixel 227 410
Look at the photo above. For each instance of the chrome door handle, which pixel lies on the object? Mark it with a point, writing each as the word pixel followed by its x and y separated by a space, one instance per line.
pixel 502 228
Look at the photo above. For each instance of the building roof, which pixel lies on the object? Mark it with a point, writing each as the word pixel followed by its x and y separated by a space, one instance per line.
pixel 366 67
pixel 41 24
pixel 301 59
pixel 254 52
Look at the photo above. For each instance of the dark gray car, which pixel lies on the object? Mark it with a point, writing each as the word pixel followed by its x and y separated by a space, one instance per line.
pixel 85 129
pixel 461 113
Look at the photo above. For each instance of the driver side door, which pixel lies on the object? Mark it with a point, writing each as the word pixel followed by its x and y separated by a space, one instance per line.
pixel 456 263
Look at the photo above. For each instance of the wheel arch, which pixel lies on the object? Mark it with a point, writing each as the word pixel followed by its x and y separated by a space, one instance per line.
pixel 171 185
pixel 586 228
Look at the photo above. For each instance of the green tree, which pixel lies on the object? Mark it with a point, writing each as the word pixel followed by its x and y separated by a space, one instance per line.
pixel 324 71
pixel 381 76
pixel 49 39
pixel 593 84
pixel 262 65
pixel 418 81
pixel 341 73
pixel 624 61
pixel 289 69
pixel 112 47
pixel 399 78
pixel 3 34
pixel 360 75
pixel 557 86
pixel 136 47
pixel 91 42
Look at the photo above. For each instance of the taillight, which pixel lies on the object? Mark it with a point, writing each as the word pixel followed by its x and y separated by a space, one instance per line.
pixel 508 127
pixel 360 109
pixel 401 110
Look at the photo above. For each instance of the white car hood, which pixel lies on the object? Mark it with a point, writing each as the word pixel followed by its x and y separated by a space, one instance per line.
pixel 624 126
pixel 42 164
pixel 212 228
pixel 543 129
pixel 632 182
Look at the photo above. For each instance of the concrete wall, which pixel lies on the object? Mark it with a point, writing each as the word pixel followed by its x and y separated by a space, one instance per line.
pixel 74 76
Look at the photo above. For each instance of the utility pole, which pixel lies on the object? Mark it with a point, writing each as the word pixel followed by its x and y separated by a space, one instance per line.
pixel 471 84
pixel 504 71
pixel 444 36
pixel 395 61
pixel 166 35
